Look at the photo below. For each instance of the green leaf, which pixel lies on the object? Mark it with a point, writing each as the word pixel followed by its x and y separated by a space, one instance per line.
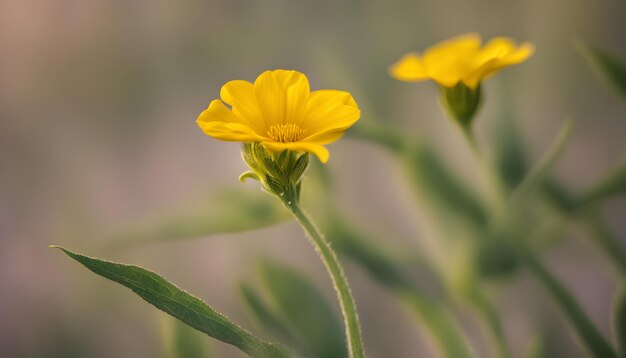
pixel 185 342
pixel 439 186
pixel 608 65
pixel 431 179
pixel 619 320
pixel 304 309
pixel 229 211
pixel 537 175
pixel 509 150
pixel 589 335
pixel 268 319
pixel 611 185
pixel 170 299
pixel 391 273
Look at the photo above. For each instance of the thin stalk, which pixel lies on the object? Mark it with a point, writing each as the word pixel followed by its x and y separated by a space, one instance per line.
pixel 592 339
pixel 486 311
pixel 344 295
pixel 492 179
pixel 606 240
pixel 489 315
pixel 588 214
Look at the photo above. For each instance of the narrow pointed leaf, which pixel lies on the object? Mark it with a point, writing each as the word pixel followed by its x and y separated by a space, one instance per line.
pixel 608 65
pixel 537 175
pixel 185 342
pixel 509 150
pixel 304 309
pixel 268 319
pixel 589 335
pixel 231 211
pixel 619 320
pixel 440 187
pixel 613 184
pixel 170 299
pixel 431 312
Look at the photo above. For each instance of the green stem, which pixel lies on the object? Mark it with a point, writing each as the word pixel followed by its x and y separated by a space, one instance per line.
pixel 329 258
pixel 491 177
pixel 491 318
pixel 593 340
pixel 390 272
pixel 587 212
pixel 606 240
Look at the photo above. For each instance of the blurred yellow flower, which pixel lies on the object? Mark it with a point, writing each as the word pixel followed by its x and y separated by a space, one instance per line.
pixel 281 113
pixel 461 59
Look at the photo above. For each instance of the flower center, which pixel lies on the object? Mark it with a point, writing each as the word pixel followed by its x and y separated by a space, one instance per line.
pixel 286 133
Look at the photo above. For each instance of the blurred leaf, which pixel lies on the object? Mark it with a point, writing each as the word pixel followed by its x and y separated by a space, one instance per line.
pixel 389 272
pixel 304 309
pixel 584 328
pixel 440 187
pixel 185 342
pixel 607 65
pixel 268 319
pixel 613 184
pixel 170 299
pixel 509 150
pixel 606 239
pixel 538 346
pixel 229 211
pixel 619 319
pixel 541 170
pixel 433 181
pixel 496 258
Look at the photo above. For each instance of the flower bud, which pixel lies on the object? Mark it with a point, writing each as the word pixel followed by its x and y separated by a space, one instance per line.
pixel 278 173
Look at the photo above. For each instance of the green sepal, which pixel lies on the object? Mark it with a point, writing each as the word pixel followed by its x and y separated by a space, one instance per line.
pixel 248 175
pixel 461 102
pixel 279 173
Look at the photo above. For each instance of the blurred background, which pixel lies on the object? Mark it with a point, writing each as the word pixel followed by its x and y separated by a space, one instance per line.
pixel 98 101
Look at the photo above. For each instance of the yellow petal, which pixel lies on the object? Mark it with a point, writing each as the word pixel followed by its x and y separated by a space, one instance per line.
pixel 321 96
pixel 318 150
pixel 507 55
pixel 409 69
pixel 521 54
pixel 450 61
pixel 240 95
pixel 496 48
pixel 325 137
pixel 219 122
pixel 281 96
pixel 328 111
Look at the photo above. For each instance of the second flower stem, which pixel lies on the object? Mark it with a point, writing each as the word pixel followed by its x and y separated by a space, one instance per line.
pixel 344 295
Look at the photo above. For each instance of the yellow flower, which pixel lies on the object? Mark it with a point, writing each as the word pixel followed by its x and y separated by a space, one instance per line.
pixel 280 112
pixel 461 59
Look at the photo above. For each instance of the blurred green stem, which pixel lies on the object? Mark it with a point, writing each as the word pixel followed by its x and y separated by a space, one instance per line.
pixel 588 213
pixel 493 181
pixel 329 258
pixel 606 240
pixel 488 313
pixel 593 340
pixel 432 312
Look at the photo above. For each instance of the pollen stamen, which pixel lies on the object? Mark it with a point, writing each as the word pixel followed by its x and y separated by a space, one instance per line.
pixel 286 133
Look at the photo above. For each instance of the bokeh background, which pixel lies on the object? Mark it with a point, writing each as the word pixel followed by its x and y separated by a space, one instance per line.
pixel 98 101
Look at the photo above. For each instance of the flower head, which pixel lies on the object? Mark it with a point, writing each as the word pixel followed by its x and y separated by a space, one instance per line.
pixel 461 60
pixel 280 112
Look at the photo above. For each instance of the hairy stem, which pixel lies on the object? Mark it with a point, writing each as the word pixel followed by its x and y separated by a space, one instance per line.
pixel 344 295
